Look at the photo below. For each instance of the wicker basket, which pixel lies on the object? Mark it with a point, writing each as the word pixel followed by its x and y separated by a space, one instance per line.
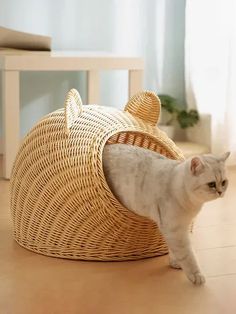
pixel 61 204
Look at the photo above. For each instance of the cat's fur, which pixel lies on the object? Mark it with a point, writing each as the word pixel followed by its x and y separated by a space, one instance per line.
pixel 169 192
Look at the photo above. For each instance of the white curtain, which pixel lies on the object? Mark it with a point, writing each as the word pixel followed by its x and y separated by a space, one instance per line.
pixel 210 59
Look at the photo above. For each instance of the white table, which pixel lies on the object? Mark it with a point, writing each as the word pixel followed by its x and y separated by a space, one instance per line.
pixel 14 61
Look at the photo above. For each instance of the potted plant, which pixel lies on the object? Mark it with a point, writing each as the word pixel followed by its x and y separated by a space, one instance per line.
pixel 185 118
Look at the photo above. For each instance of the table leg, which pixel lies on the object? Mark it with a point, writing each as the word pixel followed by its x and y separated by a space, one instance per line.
pixel 135 82
pixel 11 119
pixel 93 87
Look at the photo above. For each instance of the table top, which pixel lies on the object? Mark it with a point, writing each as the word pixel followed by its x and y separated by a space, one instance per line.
pixel 24 60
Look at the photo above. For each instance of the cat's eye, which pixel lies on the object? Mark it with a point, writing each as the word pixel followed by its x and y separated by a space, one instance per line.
pixel 223 183
pixel 212 184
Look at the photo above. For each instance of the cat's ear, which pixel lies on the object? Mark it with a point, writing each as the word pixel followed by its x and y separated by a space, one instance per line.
pixel 197 166
pixel 224 156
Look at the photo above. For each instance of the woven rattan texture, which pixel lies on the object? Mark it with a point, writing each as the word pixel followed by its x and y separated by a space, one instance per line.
pixel 61 204
pixel 150 109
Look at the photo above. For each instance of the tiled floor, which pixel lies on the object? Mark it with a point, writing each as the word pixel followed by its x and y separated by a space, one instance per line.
pixel 31 283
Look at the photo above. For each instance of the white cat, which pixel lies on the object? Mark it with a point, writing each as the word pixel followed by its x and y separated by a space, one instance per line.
pixel 167 191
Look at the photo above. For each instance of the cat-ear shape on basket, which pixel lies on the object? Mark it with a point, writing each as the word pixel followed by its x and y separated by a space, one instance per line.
pixel 197 166
pixel 73 108
pixel 146 106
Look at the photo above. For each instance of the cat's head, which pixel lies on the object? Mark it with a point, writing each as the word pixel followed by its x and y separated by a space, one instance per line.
pixel 208 179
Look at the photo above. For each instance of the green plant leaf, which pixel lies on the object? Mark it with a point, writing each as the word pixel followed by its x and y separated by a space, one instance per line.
pixel 169 103
pixel 187 118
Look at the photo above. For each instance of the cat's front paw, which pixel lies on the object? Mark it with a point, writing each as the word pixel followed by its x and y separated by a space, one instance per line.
pixel 174 264
pixel 197 278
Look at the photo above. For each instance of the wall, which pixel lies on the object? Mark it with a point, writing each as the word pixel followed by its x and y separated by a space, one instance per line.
pixel 151 29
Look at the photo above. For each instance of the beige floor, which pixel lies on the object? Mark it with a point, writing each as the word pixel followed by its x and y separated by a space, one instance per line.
pixel 31 283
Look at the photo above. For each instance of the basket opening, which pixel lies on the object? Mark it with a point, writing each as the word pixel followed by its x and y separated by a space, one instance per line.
pixel 136 139
pixel 139 139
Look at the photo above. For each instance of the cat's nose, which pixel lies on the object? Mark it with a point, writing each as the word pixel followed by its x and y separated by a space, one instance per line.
pixel 220 193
